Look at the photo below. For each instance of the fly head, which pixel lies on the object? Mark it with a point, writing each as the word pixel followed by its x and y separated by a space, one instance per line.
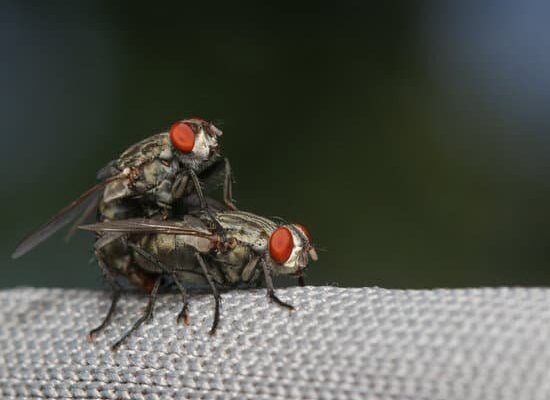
pixel 195 142
pixel 290 249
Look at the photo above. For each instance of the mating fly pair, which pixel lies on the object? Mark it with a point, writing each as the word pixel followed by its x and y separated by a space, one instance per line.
pixel 152 234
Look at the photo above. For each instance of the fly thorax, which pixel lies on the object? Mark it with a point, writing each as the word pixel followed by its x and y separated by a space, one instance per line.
pixel 117 189
pixel 253 239
pixel 233 262
pixel 238 255
pixel 157 171
pixel 166 154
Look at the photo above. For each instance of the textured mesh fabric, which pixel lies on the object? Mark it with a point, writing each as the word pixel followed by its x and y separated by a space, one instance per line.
pixel 366 343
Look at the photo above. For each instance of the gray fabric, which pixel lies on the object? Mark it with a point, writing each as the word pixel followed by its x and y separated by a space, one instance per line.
pixel 365 343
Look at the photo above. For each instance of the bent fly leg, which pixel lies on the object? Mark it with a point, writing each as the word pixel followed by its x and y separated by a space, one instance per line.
pixel 217 168
pixel 228 186
pixel 204 205
pixel 147 315
pixel 183 315
pixel 114 300
pixel 116 292
pixel 215 292
pixel 179 186
pixel 271 289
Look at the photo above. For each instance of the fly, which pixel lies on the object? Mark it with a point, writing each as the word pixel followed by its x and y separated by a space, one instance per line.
pixel 146 179
pixel 189 252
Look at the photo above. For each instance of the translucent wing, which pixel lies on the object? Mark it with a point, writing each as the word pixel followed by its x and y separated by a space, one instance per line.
pixel 139 225
pixel 107 171
pixel 90 210
pixel 213 173
pixel 63 217
pixel 192 204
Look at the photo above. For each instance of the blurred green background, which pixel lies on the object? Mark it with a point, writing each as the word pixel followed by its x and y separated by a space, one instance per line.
pixel 411 138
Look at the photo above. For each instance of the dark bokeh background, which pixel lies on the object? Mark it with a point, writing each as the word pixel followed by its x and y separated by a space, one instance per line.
pixel 412 140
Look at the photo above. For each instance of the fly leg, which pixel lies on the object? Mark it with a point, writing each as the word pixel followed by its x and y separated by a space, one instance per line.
pixel 116 292
pixel 215 292
pixel 147 315
pixel 179 186
pixel 115 297
pixel 204 205
pixel 183 315
pixel 215 169
pixel 271 289
pixel 301 281
pixel 228 186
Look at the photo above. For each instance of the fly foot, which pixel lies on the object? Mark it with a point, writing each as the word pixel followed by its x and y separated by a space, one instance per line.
pixel 92 336
pixel 183 316
pixel 278 301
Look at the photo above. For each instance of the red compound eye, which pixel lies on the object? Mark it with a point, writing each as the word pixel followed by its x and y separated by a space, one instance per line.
pixel 281 244
pixel 304 230
pixel 182 137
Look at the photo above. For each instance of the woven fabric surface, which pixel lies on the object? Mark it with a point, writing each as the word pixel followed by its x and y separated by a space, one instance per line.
pixel 365 343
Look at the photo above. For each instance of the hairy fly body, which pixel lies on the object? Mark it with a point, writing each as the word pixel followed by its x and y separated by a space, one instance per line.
pixel 189 252
pixel 146 180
